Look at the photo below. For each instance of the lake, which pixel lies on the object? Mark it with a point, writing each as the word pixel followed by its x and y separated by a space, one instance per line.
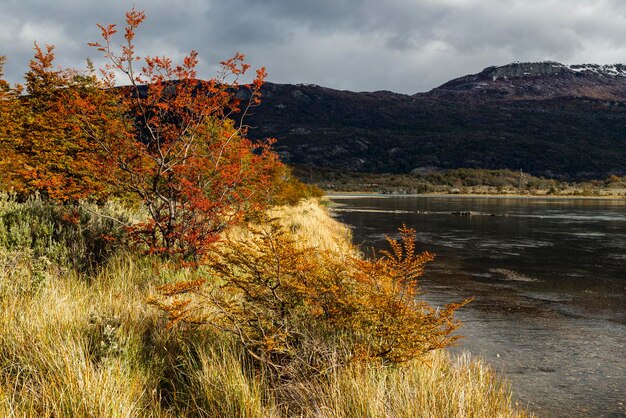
pixel 549 281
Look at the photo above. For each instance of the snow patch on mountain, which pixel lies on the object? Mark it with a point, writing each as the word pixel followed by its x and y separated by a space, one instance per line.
pixel 533 69
pixel 618 70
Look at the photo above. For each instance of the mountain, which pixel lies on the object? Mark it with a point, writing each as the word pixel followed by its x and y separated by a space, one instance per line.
pixel 539 80
pixel 545 118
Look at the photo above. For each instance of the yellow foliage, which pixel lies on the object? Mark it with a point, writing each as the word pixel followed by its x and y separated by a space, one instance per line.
pixel 286 189
pixel 270 290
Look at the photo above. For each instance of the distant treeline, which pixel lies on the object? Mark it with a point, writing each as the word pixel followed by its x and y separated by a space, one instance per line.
pixel 462 180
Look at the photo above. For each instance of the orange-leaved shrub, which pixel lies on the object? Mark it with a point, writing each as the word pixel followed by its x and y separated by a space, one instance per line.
pixel 275 295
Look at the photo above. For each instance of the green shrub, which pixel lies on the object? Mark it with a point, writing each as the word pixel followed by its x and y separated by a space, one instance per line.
pixel 81 236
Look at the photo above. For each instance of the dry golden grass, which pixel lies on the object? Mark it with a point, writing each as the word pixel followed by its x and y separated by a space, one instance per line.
pixel 78 345
pixel 312 225
pixel 68 348
pixel 443 387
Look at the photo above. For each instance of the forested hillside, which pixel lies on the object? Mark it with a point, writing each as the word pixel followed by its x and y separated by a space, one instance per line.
pixel 544 118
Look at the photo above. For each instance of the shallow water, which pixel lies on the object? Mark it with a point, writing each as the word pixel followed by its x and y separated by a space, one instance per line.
pixel 549 281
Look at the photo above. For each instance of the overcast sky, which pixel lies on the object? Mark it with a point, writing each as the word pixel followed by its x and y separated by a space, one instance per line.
pixel 405 46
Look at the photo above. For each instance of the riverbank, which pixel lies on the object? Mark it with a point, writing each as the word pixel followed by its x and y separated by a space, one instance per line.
pixel 80 343
pixel 355 194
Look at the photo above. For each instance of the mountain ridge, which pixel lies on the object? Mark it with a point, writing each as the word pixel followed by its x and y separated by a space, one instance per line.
pixel 561 121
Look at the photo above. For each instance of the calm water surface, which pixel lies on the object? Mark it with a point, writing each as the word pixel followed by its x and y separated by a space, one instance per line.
pixel 549 281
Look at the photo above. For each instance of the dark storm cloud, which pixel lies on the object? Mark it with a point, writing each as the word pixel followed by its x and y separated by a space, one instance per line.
pixel 400 45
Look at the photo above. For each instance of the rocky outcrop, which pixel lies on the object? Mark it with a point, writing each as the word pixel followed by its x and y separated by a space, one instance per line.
pixel 539 80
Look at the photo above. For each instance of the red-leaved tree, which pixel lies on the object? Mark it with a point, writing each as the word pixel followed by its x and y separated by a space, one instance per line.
pixel 178 148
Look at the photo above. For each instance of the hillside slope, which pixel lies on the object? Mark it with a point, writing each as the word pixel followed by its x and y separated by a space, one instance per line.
pixel 544 118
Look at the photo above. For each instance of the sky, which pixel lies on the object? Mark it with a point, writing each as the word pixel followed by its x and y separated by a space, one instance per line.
pixel 406 46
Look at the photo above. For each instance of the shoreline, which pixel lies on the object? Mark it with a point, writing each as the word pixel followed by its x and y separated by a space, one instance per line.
pixel 355 195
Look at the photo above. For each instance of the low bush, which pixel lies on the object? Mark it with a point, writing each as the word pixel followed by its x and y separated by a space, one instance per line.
pixel 287 189
pixel 287 303
pixel 82 236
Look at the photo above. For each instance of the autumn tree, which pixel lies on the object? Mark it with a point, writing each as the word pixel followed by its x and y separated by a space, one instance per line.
pixel 43 148
pixel 178 148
